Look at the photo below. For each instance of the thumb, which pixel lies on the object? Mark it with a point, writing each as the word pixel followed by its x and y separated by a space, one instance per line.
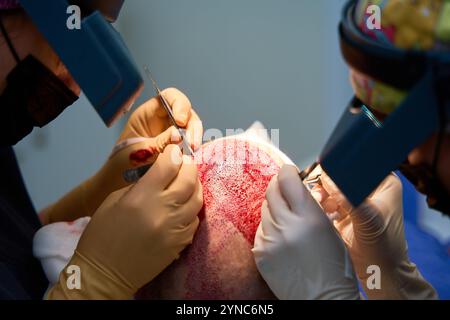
pixel 294 192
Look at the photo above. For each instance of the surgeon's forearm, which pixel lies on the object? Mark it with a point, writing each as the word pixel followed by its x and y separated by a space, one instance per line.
pixel 85 199
pixel 82 201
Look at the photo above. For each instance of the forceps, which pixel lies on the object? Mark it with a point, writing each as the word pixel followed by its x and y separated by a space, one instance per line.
pixel 313 181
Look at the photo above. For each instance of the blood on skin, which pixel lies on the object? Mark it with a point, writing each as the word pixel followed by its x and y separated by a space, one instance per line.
pixel 219 264
pixel 141 155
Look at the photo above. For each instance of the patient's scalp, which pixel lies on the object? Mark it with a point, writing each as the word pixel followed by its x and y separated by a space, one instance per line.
pixel 234 186
pixel 219 264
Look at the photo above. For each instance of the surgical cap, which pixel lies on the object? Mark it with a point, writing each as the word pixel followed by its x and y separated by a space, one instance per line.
pixel 405 24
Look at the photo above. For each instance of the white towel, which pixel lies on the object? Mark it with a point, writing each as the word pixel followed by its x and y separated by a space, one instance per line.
pixel 54 245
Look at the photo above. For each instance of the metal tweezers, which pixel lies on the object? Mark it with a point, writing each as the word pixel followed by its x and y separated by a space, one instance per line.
pixel 313 181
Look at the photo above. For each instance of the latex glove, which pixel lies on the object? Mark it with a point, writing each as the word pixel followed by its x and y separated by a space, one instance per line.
pixel 145 135
pixel 297 250
pixel 374 236
pixel 137 232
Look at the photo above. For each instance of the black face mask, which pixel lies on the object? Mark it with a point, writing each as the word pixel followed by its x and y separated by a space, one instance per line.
pixel 33 97
pixel 425 178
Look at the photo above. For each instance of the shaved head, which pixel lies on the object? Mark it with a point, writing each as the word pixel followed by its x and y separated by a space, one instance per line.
pixel 219 264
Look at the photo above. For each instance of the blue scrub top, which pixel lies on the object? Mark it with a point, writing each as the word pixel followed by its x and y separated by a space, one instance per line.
pixel 21 275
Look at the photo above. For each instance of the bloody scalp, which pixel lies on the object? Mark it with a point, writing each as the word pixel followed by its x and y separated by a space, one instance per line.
pixel 235 186
pixel 219 263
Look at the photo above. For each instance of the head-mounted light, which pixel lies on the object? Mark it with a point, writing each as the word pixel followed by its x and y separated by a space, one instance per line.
pixel 95 54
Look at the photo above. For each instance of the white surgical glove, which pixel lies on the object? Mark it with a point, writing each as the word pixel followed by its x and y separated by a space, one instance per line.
pixel 297 250
pixel 375 238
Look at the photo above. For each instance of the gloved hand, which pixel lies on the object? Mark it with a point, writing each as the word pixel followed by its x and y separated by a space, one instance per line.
pixel 137 232
pixel 297 250
pixel 145 135
pixel 374 236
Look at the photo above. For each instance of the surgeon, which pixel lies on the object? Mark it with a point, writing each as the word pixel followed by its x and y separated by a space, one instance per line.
pixel 399 118
pixel 136 231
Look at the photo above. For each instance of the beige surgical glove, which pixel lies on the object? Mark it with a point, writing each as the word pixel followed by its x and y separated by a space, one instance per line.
pixel 145 135
pixel 137 232
pixel 297 251
pixel 374 236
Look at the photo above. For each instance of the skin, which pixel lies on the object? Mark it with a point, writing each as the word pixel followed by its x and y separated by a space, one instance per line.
pixel 27 40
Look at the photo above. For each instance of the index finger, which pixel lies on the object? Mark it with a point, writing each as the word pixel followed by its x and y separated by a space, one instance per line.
pixel 292 188
pixel 180 104
pixel 163 171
